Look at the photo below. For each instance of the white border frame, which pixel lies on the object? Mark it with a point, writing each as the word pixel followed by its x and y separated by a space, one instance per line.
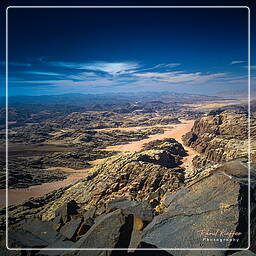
pixel 249 133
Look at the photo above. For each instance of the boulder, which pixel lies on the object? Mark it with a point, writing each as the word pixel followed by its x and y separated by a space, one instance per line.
pixel 90 213
pixel 142 210
pixel 57 223
pixel 24 239
pixel 43 230
pixel 70 229
pixel 67 210
pixel 112 231
pixel 211 213
pixel 85 226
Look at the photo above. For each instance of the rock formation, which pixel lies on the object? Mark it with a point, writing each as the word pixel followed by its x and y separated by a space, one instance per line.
pixel 221 136
pixel 143 176
pixel 142 201
pixel 208 213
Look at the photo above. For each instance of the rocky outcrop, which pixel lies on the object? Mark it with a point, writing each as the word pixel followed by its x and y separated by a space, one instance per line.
pixel 143 176
pixel 212 210
pixel 168 145
pixel 32 162
pixel 28 209
pixel 221 136
pixel 115 229
pixel 27 172
pixel 140 200
pixel 141 210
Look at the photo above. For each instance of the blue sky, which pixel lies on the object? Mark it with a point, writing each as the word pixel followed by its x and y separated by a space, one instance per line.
pixel 56 51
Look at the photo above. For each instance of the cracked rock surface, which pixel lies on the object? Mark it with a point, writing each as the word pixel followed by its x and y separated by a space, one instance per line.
pixel 210 208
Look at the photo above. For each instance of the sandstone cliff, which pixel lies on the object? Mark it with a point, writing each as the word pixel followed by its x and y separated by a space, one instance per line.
pixel 221 136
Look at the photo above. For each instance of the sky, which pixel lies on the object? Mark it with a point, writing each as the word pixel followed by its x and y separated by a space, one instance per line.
pixel 57 51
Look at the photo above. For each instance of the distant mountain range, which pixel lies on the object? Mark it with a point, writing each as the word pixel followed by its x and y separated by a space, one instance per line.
pixel 237 94
pixel 110 98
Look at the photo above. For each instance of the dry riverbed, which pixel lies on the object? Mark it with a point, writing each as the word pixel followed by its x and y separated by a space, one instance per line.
pixel 170 131
pixel 174 131
pixel 18 195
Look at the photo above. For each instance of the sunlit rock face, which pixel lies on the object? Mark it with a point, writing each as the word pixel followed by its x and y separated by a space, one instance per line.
pixel 221 136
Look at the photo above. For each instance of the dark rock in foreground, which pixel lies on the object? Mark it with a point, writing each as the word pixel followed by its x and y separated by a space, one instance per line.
pixel 142 210
pixel 67 210
pixel 24 239
pixel 71 228
pixel 112 231
pixel 43 230
pixel 211 213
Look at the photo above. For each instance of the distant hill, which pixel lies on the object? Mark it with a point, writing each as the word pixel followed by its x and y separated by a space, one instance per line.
pixel 238 94
pixel 37 108
pixel 110 98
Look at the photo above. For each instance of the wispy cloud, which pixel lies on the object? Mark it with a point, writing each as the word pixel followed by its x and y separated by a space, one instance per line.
pixel 179 76
pixel 166 65
pixel 125 74
pixel 237 62
pixel 112 68
pixel 172 65
pixel 82 76
pixel 160 66
pixel 41 73
pixel 62 64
